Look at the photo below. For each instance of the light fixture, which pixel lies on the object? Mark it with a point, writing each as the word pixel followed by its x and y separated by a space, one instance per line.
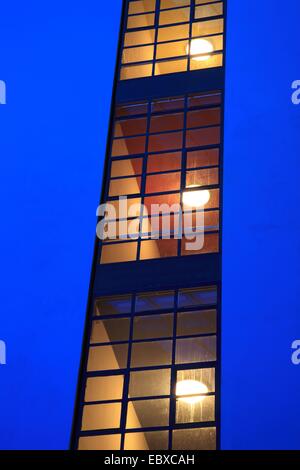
pixel 196 198
pixel 200 49
pixel 191 387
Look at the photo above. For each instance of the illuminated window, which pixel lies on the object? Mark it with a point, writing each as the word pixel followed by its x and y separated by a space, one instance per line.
pixel 162 151
pixel 156 388
pixel 179 38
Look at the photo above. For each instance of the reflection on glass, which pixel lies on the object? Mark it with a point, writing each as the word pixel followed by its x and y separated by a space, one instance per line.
pixel 197 296
pixel 148 301
pixel 113 305
pixel 194 439
pixel 201 349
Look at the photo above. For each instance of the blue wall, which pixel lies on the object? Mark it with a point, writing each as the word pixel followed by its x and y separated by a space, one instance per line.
pixel 261 303
pixel 58 61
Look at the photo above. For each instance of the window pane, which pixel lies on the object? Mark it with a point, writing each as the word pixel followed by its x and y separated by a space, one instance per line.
pixel 207 27
pixel 124 186
pixel 104 388
pixel 202 177
pixel 107 442
pixel 203 137
pixel 173 33
pixel 168 104
pixel 166 122
pixel 154 301
pixel 165 4
pixel 161 142
pixel 215 60
pixel 140 21
pixel 204 99
pixel 118 253
pixel 197 297
pixel 107 331
pixel 131 109
pixel 181 15
pixel 147 440
pixel 211 245
pixel 163 183
pixel 152 249
pixel 129 146
pixel 158 353
pixel 192 350
pixel 171 66
pixel 216 9
pixel 113 305
pixel 130 167
pixel 202 411
pixel 172 49
pixel 154 326
pixel 128 127
pixel 105 416
pixel 150 383
pixel 148 413
pixel 139 37
pixel 164 162
pixel 137 54
pixel 194 439
pixel 202 158
pixel 136 71
pixel 141 6
pixel 123 210
pixel 205 376
pixel 196 323
pixel 107 357
pixel 203 117
pixel 162 202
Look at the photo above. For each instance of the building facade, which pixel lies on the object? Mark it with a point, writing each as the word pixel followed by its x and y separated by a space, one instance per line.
pixel 150 369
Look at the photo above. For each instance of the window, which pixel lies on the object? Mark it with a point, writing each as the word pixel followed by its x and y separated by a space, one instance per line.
pixel 181 37
pixel 162 151
pixel 151 380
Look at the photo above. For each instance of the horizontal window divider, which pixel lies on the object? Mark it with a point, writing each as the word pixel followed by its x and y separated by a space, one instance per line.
pixel 170 112
pixel 166 59
pixel 173 131
pixel 177 367
pixel 153 340
pixel 105 432
pixel 102 402
pixel 146 398
pixel 99 432
pixel 159 26
pixel 187 38
pixel 149 313
pixel 162 152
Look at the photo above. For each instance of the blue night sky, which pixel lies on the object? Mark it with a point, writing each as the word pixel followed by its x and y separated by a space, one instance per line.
pixel 57 59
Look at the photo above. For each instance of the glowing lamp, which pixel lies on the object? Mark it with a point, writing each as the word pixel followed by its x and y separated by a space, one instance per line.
pixel 200 49
pixel 191 387
pixel 196 198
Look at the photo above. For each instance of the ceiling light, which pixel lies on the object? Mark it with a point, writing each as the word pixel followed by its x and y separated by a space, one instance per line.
pixel 191 387
pixel 196 198
pixel 200 49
